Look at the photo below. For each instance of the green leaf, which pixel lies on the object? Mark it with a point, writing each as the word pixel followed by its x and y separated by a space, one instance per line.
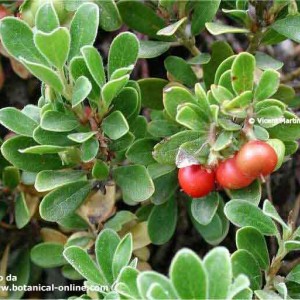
pixel 270 211
pixel 203 12
pixel 141 18
pixel 220 51
pixel 279 148
pixel 115 125
pixel 157 170
pixel 243 262
pixel 241 101
pixel 204 209
pixel 294 275
pixel 191 116
pixel 64 200
pixel 100 170
pixel 188 275
pixel 55 46
pixel 174 96
pixel 162 221
pixel 250 239
pixel 110 19
pixel 245 294
pixel 220 93
pixel 165 152
pixel 138 127
pixel 265 62
pixel 16 121
pixel 135 182
pixel 11 177
pixel 43 149
pixel 218 28
pixel 83 264
pixel 243 213
pixel 81 137
pixel 28 162
pixel 122 255
pixel 22 213
pixel 73 222
pixel 147 278
pixel 288 131
pixel 152 92
pixel 17 39
pixel 89 149
pixel 251 193
pixel 162 128
pixel 112 88
pixel 243 72
pixel 224 67
pixel 292 246
pixel 123 52
pixel 127 102
pixel 140 152
pixel 46 137
pixel 81 91
pixel 123 143
pixel 58 121
pixel 180 70
pixel 267 85
pixel 70 273
pixel 262 294
pixel 127 283
pixel 20 269
pixel 200 59
pixel 94 63
pixel 151 49
pixel 48 255
pixel 79 68
pixel 172 28
pixel 46 18
pixel 165 186
pixel 218 267
pixel 240 283
pixel 44 74
pixel 119 219
pixel 105 248
pixel 84 27
pixel 49 180
pixel 288 27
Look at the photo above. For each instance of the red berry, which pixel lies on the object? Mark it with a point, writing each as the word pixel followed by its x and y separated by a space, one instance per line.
pixel 230 177
pixel 196 181
pixel 256 158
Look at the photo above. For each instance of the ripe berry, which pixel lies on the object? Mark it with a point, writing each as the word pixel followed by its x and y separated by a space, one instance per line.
pixel 256 158
pixel 230 177
pixel 196 181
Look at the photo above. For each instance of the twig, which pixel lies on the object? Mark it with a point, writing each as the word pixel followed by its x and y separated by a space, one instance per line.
pixel 269 188
pixel 291 76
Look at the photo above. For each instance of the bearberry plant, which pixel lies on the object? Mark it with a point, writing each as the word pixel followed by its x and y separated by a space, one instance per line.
pixel 110 160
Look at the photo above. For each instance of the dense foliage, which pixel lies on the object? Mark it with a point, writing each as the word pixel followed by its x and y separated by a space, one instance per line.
pixel 90 172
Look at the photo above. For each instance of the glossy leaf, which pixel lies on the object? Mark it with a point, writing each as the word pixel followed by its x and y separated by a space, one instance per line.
pixel 64 200
pixel 17 38
pixel 17 121
pixel 243 262
pixel 243 72
pixel 55 46
pixel 162 221
pixel 44 74
pixel 48 255
pixel 267 86
pixel 243 213
pixel 115 125
pixel 94 63
pixel 218 28
pixel 84 27
pixel 83 264
pixel 123 52
pixel 250 239
pixel 135 182
pixel 218 267
pixel 49 180
pixel 188 275
pixel 58 121
pixel 28 162
pixel 203 12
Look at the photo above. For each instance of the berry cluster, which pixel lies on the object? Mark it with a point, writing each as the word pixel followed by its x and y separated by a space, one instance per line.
pixel 255 159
